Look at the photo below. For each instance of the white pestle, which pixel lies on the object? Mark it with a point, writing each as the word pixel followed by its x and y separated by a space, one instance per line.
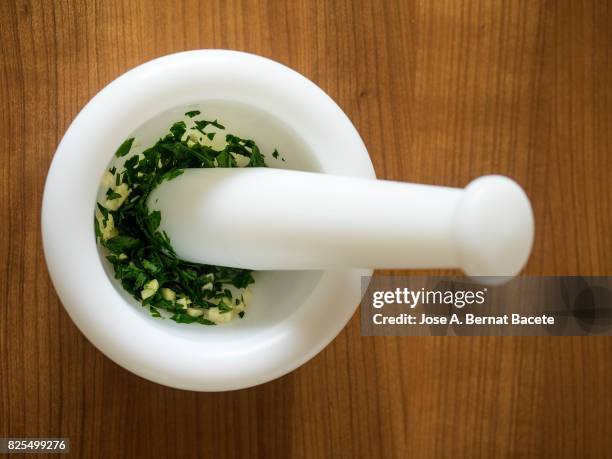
pixel 273 219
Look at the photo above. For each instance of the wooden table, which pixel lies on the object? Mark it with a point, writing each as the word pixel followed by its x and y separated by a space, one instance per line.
pixel 441 91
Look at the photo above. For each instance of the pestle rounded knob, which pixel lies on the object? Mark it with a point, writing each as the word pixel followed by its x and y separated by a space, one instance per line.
pixel 273 219
pixel 493 227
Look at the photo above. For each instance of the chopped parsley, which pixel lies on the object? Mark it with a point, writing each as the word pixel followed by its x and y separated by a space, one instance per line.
pixel 124 149
pixel 192 113
pixel 141 255
pixel 276 154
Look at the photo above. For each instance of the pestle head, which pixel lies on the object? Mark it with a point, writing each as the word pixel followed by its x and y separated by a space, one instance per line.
pixel 493 227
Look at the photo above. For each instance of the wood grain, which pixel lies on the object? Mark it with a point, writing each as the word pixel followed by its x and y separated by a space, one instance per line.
pixel 441 91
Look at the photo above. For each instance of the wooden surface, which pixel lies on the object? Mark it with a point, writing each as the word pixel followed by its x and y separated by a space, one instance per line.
pixel 441 92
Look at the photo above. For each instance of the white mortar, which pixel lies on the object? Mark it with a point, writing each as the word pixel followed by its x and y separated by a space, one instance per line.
pixel 294 315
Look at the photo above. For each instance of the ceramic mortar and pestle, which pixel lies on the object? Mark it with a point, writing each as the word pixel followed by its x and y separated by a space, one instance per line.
pixel 311 226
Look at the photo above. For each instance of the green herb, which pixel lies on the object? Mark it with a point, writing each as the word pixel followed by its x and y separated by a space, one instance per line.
pixel 276 155
pixel 110 194
pixel 124 149
pixel 141 255
pixel 182 318
pixel 178 129
pixel 224 307
pixel 200 125
pixel 121 243
pixel 103 211
pixel 257 159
